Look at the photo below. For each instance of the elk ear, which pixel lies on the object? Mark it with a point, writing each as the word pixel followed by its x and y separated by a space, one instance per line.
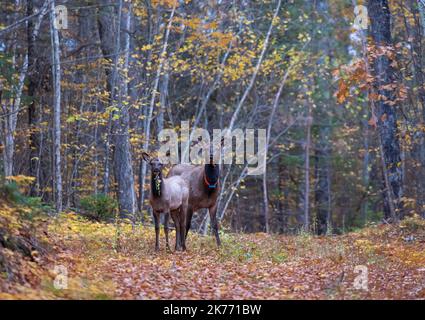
pixel 146 157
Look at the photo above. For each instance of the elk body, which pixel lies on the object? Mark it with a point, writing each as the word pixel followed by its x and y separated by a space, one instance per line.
pixel 204 188
pixel 168 196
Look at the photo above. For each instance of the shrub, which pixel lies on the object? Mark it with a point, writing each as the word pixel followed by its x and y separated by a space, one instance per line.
pixel 11 191
pixel 413 223
pixel 99 207
pixel 37 206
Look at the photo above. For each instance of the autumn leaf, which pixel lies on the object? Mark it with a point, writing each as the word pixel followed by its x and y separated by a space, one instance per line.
pixel 342 92
pixel 373 121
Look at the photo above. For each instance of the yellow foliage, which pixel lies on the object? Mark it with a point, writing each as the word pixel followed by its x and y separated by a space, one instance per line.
pixel 21 180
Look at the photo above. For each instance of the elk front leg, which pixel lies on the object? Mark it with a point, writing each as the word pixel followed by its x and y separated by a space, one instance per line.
pixel 166 220
pixel 214 225
pixel 156 216
pixel 175 216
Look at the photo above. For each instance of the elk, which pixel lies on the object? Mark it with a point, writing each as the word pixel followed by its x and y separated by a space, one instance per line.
pixel 168 196
pixel 204 189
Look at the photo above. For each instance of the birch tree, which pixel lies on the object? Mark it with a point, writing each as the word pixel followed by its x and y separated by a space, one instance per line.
pixel 56 73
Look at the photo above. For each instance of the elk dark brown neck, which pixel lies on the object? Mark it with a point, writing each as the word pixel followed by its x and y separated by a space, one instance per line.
pixel 211 177
pixel 156 184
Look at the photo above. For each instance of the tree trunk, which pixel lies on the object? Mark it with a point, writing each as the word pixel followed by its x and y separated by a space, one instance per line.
pixel 9 145
pixel 322 188
pixel 56 73
pixel 415 34
pixel 34 76
pixel 309 120
pixel 365 173
pixel 385 108
pixel 323 149
pixel 123 169
pixel 268 136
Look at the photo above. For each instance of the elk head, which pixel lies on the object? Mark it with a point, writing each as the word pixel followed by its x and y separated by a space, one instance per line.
pixel 156 173
pixel 212 171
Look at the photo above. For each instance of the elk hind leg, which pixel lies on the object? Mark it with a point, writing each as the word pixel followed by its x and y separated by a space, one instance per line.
pixel 214 224
pixel 183 225
pixel 188 220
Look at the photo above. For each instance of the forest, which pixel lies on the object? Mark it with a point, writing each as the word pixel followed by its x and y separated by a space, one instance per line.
pixel 327 95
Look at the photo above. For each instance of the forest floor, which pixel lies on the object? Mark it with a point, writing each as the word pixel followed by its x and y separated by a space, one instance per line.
pixel 106 261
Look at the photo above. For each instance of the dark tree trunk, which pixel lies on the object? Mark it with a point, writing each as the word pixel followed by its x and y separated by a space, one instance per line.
pixel 322 191
pixel 385 106
pixel 117 84
pixel 322 187
pixel 33 80
pixel 415 32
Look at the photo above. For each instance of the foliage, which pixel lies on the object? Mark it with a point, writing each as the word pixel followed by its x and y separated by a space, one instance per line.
pixel 99 207
pixel 248 266
pixel 413 223
pixel 23 245
pixel 8 76
pixel 210 58
pixel 12 190
pixel 200 66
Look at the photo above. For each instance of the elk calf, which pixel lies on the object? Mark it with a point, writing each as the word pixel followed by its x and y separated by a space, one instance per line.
pixel 168 195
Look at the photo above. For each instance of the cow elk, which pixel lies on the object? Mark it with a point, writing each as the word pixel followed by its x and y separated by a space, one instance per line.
pixel 204 189
pixel 168 196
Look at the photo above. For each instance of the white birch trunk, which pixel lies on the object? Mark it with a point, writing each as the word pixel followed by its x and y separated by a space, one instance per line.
pixel 56 72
